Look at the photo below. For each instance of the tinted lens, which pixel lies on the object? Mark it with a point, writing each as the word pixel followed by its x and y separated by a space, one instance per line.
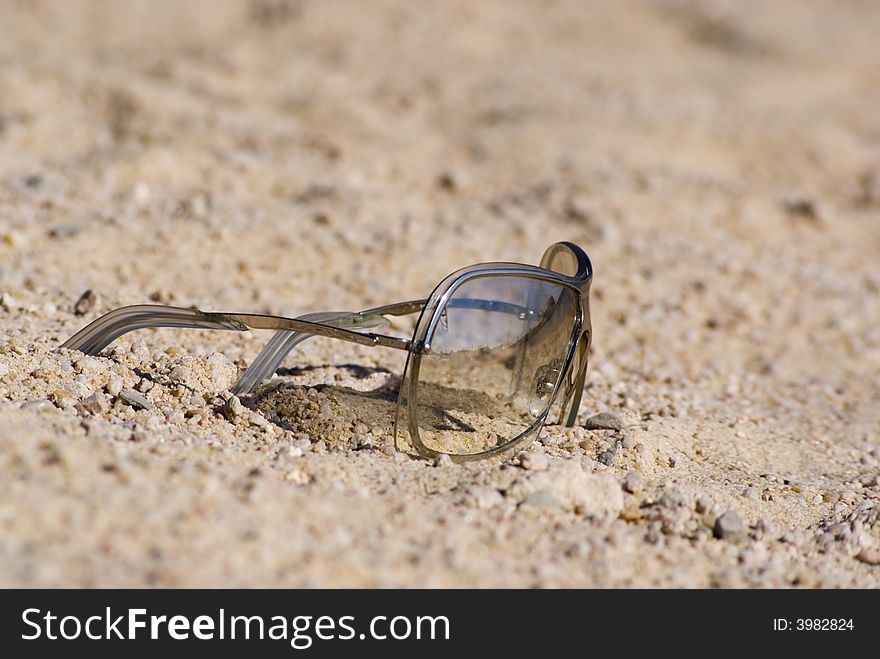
pixel 495 358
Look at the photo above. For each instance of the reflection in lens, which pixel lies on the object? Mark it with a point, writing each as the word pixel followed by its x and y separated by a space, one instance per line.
pixel 495 357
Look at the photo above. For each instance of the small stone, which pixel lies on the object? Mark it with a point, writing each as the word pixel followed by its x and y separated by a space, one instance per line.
pixel 63 231
pixel 729 526
pixel 767 527
pixel 628 441
pixel 303 443
pixel 114 385
pixel 486 497
pixel 674 498
pixel 534 461
pixel 4 370
pixel 144 385
pixel 94 404
pixel 541 499
pixel 633 482
pixel 704 504
pixel 752 494
pixel 803 208
pixel 869 556
pixel 442 460
pixel 179 374
pixel 140 351
pixel 446 181
pixel 608 457
pixel 297 477
pixel 604 421
pixel 39 404
pixel 85 303
pixel 135 399
pixel 7 302
pixel 233 408
pixel 63 399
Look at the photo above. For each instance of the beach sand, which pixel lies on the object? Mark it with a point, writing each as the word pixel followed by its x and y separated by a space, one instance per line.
pixel 720 163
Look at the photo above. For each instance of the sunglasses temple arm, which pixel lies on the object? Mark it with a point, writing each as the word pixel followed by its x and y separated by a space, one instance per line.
pixel 100 333
pixel 279 346
pixel 282 342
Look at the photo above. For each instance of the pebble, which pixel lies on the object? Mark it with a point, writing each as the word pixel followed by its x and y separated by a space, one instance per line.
pixel 233 408
pixel 752 494
pixel 144 385
pixel 608 457
pixel 767 527
pixel 114 385
pixel 39 404
pixel 179 374
pixel 487 497
pixel 7 302
pixel 442 460
pixel 297 476
pixel 64 231
pixel 85 303
pixel 94 404
pixel 633 482
pixel 534 461
pixel 704 504
pixel 64 399
pixel 135 399
pixel 869 556
pixel 674 498
pixel 541 499
pixel 604 421
pixel 729 526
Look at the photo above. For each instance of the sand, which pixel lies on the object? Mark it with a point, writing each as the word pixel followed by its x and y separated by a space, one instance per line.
pixel 720 162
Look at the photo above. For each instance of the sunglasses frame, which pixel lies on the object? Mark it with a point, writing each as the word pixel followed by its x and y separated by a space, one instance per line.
pixel 573 372
pixel 348 326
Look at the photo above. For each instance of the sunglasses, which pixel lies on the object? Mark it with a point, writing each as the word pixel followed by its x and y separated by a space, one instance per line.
pixel 496 349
